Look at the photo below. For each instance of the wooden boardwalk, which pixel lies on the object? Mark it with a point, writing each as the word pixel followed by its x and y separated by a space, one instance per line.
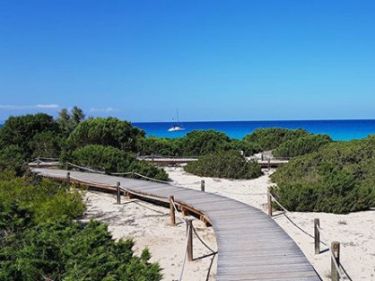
pixel 251 246
pixel 176 161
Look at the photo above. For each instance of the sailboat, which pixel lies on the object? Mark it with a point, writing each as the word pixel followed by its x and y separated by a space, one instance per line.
pixel 176 126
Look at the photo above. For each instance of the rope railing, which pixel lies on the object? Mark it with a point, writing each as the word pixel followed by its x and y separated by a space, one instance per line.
pixel 338 271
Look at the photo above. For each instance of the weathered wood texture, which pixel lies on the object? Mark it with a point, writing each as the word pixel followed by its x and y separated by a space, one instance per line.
pixel 251 246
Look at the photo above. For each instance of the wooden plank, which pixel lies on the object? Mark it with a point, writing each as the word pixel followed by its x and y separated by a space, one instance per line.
pixel 251 246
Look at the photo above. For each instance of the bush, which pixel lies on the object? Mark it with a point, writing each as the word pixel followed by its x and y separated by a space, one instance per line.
pixel 159 146
pixel 248 148
pixel 301 146
pixel 106 131
pixel 338 178
pixel 271 138
pixel 21 129
pixel 198 143
pixel 12 158
pixel 40 239
pixel 46 144
pixel 224 164
pixel 112 160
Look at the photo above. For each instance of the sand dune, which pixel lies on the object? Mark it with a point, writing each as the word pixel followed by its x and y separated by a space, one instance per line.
pixel 149 226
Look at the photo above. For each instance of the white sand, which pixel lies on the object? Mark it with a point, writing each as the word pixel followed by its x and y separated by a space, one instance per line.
pixel 149 226
pixel 355 232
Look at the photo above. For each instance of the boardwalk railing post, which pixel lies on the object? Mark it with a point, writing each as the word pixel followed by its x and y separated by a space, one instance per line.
pixel 203 185
pixel 189 229
pixel 269 164
pixel 172 213
pixel 317 236
pixel 335 259
pixel 118 192
pixel 68 177
pixel 269 202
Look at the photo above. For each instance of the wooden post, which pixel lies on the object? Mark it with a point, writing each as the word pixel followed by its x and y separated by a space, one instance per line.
pixel 335 248
pixel 269 164
pixel 269 202
pixel 172 213
pixel 317 236
pixel 203 185
pixel 189 225
pixel 118 192
pixel 68 177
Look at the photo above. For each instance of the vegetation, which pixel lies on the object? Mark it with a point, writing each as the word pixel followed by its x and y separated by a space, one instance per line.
pixel 106 131
pixel 68 121
pixel 111 159
pixel 40 238
pixel 198 143
pixel 339 178
pixel 271 138
pixel 21 130
pixel 301 145
pixel 224 164
pixel 159 146
pixel 12 158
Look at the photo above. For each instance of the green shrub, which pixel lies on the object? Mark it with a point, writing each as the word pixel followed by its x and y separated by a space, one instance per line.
pixel 301 146
pixel 159 146
pixel 112 160
pixel 271 138
pixel 12 158
pixel 40 238
pixel 21 130
pixel 106 131
pixel 224 164
pixel 46 200
pixel 198 143
pixel 46 144
pixel 338 178
pixel 248 148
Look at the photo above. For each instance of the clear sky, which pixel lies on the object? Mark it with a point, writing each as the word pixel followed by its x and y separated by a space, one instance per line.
pixel 213 60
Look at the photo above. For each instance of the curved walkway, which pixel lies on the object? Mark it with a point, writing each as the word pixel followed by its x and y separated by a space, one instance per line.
pixel 251 246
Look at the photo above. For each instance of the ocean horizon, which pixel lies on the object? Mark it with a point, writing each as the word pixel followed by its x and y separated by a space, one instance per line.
pixel 339 130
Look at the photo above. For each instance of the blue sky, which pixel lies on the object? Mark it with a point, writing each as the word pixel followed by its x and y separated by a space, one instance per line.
pixel 213 60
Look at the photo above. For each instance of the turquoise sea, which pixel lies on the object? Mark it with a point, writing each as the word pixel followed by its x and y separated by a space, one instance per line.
pixel 337 129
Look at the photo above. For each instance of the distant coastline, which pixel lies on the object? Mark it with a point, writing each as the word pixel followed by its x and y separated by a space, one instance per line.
pixel 343 130
pixel 340 130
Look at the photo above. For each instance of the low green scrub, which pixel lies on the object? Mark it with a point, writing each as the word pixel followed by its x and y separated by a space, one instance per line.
pixel 301 146
pixel 271 138
pixel 197 143
pixel 338 178
pixel 105 131
pixel 12 158
pixel 40 238
pixel 224 164
pixel 111 160
pixel 159 146
pixel 247 148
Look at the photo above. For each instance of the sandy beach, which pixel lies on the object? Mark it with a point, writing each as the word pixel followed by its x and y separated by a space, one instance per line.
pixel 355 231
pixel 149 226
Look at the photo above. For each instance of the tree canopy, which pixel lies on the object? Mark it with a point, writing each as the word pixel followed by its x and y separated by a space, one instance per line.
pixel 106 131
